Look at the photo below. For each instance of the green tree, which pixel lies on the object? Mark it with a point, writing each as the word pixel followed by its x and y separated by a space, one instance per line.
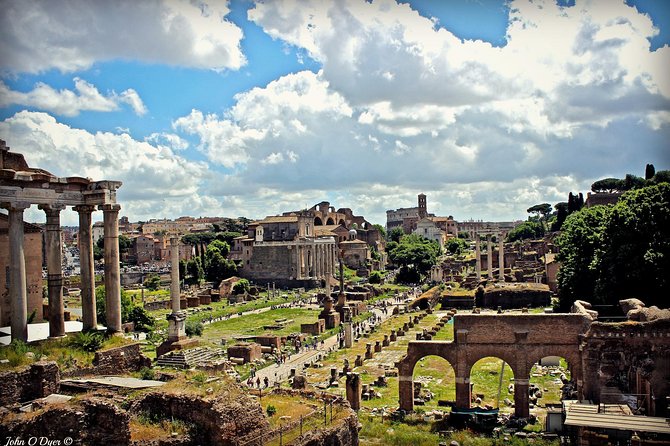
pixel 125 244
pixel 635 256
pixel 242 286
pixel 395 234
pixel 219 268
pixel 456 246
pixel 608 185
pixel 381 229
pixel 649 172
pixel 415 255
pixel 561 215
pixel 375 277
pixel 228 236
pixel 194 270
pixel 662 176
pixel 633 182
pixel 581 237
pixel 152 282
pixel 128 314
pixel 541 210
pixel 526 230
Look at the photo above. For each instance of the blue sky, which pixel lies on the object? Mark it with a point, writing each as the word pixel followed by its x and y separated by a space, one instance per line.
pixel 245 109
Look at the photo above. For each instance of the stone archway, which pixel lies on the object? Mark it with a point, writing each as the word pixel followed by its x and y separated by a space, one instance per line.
pixel 518 339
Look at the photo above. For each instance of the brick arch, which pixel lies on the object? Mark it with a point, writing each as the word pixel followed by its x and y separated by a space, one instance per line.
pixel 520 340
pixel 569 353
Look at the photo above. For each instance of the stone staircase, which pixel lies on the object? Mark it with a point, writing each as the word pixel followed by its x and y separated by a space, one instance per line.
pixel 186 359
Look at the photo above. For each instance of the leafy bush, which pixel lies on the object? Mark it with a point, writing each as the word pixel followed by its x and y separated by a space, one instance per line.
pixel 271 410
pixel 152 282
pixel 147 373
pixel 241 287
pixel 89 341
pixel 194 328
pixel 375 277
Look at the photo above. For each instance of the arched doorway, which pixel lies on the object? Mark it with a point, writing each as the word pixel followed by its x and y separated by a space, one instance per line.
pixel 434 381
pixel 318 221
pixel 492 381
pixel 330 221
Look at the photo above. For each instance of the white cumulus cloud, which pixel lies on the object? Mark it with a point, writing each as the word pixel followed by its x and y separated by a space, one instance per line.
pixel 71 35
pixel 85 97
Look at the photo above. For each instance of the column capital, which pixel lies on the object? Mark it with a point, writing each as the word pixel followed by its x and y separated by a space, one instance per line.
pixel 51 208
pixel 110 207
pixel 174 241
pixel 15 205
pixel 84 208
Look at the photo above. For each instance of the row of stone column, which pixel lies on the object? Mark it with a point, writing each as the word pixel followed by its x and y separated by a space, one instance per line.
pixel 489 253
pixel 316 260
pixel 17 269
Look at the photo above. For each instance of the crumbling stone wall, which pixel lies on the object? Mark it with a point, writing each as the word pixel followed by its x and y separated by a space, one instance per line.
pixel 342 434
pixel 631 357
pixel 515 297
pixel 113 361
pixel 93 421
pixel 218 421
pixel 35 381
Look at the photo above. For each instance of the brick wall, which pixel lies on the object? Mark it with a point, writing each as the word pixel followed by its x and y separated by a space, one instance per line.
pixel 35 381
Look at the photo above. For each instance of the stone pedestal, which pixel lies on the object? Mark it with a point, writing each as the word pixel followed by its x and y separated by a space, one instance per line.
pixel 368 351
pixel 348 335
pixel 359 361
pixel 354 387
pixel 329 315
pixel 378 347
pixel 385 342
pixel 176 326
pixel 393 336
pixel 177 339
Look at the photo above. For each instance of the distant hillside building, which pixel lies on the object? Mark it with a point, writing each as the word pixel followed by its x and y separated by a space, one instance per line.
pixel 408 219
pixel 302 248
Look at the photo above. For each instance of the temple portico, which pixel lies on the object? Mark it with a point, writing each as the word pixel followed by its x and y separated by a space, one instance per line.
pixel 21 187
pixel 489 254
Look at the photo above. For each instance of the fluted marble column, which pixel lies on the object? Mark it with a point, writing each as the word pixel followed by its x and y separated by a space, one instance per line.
pixel 112 273
pixel 88 304
pixel 54 254
pixel 501 258
pixel 174 275
pixel 478 258
pixel 489 255
pixel 18 291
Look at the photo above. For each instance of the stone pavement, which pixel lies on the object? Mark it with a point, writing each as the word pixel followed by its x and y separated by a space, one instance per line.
pixel 282 372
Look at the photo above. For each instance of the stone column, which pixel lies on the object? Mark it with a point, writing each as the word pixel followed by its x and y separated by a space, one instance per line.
pixel 521 408
pixel 88 305
pixel 112 274
pixel 489 255
pixel 478 258
pixel 297 261
pixel 463 392
pixel 501 258
pixel 353 390
pixel 18 290
pixel 406 390
pixel 54 251
pixel 174 275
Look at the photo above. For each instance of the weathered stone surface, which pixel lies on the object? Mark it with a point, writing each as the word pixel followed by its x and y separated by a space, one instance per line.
pixel 114 361
pixel 343 434
pixel 92 421
pixel 35 381
pixel 218 421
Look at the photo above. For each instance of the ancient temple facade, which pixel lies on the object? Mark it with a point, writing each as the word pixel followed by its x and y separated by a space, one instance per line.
pixel 21 187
